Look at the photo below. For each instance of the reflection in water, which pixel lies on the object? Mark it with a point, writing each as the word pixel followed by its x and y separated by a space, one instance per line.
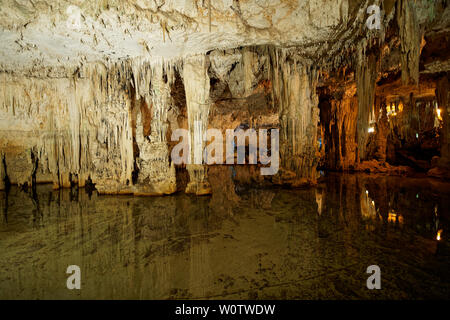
pixel 395 218
pixel 438 236
pixel 246 243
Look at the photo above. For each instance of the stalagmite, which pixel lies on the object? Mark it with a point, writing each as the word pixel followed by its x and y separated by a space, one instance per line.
pixel 196 85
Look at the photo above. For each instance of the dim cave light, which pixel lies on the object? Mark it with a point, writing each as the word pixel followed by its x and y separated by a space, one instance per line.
pixel 393 217
pixel 390 110
pixel 371 130
pixel 438 236
pixel 438 112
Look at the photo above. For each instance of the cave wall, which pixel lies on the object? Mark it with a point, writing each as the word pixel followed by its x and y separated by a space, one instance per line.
pixel 108 119
pixel 442 94
pixel 68 129
pixel 111 125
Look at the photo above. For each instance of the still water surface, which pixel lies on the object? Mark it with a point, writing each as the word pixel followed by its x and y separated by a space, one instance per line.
pixel 314 243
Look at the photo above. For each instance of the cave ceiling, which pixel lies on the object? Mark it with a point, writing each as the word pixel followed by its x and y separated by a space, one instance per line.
pixel 54 37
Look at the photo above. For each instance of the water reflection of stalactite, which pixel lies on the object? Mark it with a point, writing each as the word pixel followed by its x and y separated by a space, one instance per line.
pixel 338 223
pixel 224 198
pixel 179 247
pixel 438 236
pixel 199 266
pixel 260 199
pixel 4 205
pixel 368 208
pixel 319 200
pixel 439 231
pixel 395 218
pixel 37 215
pixel 371 210
pixel 396 205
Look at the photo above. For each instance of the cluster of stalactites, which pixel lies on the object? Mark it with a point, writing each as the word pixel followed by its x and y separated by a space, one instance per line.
pixel 145 71
pixel 339 54
pixel 294 84
pixel 366 76
pixel 83 124
pixel 197 88
pixel 410 40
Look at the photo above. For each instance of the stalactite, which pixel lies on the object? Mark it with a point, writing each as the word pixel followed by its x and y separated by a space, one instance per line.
pixel 377 145
pixel 81 124
pixel 366 75
pixel 156 174
pixel 338 118
pixel 109 86
pixel 294 90
pixel 410 39
pixel 196 85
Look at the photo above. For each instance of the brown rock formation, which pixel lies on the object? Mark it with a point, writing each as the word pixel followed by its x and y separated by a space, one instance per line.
pixel 95 93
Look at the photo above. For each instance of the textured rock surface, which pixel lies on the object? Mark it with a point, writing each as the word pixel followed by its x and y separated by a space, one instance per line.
pixel 156 173
pixel 57 33
pixel 92 91
pixel 338 118
pixel 366 75
pixel 295 93
pixel 196 85
pixel 68 127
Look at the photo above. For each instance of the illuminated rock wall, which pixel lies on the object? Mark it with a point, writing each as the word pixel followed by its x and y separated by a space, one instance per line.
pixel 97 99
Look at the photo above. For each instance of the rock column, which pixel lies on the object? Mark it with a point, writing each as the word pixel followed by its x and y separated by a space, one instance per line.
pixel 196 85
pixel 156 174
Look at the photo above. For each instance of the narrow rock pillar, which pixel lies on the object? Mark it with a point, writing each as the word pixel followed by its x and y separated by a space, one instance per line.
pixel 196 85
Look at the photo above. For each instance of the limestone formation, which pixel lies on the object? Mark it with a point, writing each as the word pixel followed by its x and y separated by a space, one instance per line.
pixel 91 92
pixel 196 85
pixel 294 86
pixel 366 74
